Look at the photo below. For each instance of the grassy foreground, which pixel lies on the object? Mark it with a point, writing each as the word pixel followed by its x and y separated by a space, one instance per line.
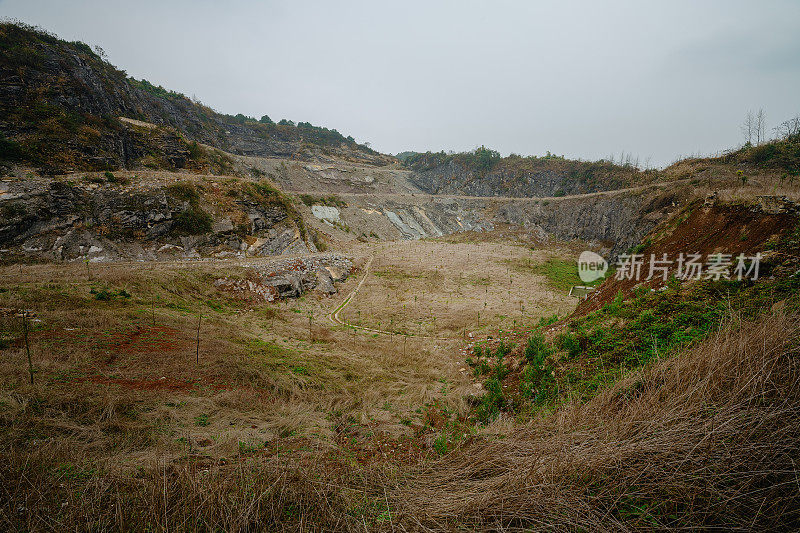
pixel 285 421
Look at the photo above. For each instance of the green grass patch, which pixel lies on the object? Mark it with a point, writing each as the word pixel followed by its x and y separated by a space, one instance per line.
pixel 561 274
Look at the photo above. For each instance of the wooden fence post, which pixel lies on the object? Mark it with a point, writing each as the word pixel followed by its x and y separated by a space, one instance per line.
pixel 27 345
pixel 197 353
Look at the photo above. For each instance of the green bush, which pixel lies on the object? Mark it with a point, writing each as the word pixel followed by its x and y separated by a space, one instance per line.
pixel 119 180
pixel 536 382
pixel 103 295
pixel 481 368
pixel 9 149
pixel 486 158
pixel 156 90
pixel 537 349
pixel 536 379
pixel 762 154
pixel 491 402
pixel 184 191
pixel 569 342
pixel 193 221
pixel 500 370
pixel 503 350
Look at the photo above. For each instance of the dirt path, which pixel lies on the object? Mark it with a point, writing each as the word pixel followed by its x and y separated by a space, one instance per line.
pixel 333 316
pixel 431 197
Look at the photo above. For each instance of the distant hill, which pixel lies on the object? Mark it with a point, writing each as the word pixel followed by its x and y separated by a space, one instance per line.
pixel 61 103
pixel 404 156
pixel 482 172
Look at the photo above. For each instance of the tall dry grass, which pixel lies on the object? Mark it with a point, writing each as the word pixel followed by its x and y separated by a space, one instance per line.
pixel 706 440
pixel 245 496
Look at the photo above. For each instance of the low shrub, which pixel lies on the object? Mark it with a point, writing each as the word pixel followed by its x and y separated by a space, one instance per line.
pixel 119 180
pixel 568 342
pixel 491 403
pixel 192 221
pixel 184 191
pixel 537 349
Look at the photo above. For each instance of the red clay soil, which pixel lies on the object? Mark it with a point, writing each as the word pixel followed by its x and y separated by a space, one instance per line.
pixel 708 230
pixel 145 339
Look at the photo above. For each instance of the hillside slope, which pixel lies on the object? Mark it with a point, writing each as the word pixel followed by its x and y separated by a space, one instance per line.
pixel 638 315
pixel 651 404
pixel 704 230
pixel 61 103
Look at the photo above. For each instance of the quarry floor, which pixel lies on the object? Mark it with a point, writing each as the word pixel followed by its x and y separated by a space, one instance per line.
pixel 116 356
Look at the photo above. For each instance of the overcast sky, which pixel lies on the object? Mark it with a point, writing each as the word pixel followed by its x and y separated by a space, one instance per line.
pixel 583 78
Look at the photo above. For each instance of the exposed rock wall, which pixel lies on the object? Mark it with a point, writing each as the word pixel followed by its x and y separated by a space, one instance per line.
pixel 56 220
pixel 616 220
pixel 523 177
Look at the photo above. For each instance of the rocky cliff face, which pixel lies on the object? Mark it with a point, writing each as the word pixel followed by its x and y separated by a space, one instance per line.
pixel 615 220
pixel 57 220
pixel 519 176
pixel 60 105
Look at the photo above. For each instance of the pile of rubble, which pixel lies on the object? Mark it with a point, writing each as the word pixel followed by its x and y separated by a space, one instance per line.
pixel 289 278
pixel 777 205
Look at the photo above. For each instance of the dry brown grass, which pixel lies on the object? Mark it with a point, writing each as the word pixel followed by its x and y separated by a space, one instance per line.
pixel 259 378
pixel 444 289
pixel 163 496
pixel 706 440
pixel 709 439
pixel 119 406
pixel 273 431
pixel 707 176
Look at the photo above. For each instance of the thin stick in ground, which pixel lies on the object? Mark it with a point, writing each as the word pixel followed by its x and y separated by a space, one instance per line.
pixel 197 353
pixel 27 345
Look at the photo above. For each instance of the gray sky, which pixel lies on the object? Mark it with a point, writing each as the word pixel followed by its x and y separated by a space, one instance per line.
pixel 581 78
